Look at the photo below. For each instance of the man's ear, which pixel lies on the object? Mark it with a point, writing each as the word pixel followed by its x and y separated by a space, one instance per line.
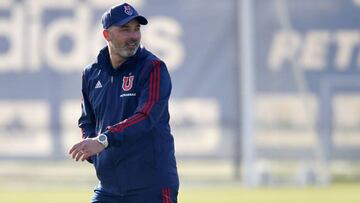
pixel 106 35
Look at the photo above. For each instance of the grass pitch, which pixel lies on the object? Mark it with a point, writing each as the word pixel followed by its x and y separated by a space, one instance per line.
pixel 69 182
pixel 348 193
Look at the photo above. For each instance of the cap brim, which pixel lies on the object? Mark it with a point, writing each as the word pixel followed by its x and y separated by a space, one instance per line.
pixel 141 19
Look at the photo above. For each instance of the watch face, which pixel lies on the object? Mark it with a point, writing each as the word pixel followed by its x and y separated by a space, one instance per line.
pixel 102 138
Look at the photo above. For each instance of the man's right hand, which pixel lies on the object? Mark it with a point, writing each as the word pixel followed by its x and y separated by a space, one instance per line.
pixel 85 149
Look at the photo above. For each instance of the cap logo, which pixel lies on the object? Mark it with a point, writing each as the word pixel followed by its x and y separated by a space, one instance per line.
pixel 128 10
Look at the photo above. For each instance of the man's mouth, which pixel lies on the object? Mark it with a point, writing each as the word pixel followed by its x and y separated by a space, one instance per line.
pixel 132 45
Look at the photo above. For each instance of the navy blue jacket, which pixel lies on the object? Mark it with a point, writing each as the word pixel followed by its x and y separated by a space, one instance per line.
pixel 130 105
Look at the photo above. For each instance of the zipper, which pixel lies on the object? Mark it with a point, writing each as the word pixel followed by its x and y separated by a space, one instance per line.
pixel 112 79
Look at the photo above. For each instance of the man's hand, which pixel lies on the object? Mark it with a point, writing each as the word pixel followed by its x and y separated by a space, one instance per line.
pixel 85 149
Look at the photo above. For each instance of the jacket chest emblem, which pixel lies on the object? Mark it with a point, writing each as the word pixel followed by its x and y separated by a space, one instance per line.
pixel 127 83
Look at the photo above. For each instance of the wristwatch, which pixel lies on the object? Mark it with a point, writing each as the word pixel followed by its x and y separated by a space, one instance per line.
pixel 102 139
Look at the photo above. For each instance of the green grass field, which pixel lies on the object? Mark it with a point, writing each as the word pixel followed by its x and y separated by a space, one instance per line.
pixel 69 182
pixel 344 193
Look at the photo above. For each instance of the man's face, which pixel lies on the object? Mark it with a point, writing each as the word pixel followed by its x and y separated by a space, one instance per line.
pixel 125 40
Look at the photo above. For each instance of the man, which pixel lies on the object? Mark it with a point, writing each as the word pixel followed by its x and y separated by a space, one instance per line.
pixel 125 118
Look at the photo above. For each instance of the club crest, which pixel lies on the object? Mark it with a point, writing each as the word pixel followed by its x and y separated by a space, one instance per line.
pixel 128 10
pixel 127 82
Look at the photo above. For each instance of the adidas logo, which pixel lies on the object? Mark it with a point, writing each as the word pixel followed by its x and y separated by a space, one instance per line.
pixel 98 85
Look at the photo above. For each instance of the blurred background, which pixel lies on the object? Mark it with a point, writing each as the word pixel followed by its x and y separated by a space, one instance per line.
pixel 266 94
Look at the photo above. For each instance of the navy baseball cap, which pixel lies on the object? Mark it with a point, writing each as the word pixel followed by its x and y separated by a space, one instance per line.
pixel 120 15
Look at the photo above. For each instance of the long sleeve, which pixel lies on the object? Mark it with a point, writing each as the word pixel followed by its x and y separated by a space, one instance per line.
pixel 151 109
pixel 87 119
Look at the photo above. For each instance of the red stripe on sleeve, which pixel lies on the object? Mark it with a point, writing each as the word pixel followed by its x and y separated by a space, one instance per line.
pixel 151 86
pixel 120 126
pixel 169 193
pixel 157 69
pixel 165 195
pixel 133 121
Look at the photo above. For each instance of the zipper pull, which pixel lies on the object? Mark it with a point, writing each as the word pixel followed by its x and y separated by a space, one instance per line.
pixel 112 79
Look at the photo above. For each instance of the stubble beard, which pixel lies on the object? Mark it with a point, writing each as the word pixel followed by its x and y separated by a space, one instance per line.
pixel 126 52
